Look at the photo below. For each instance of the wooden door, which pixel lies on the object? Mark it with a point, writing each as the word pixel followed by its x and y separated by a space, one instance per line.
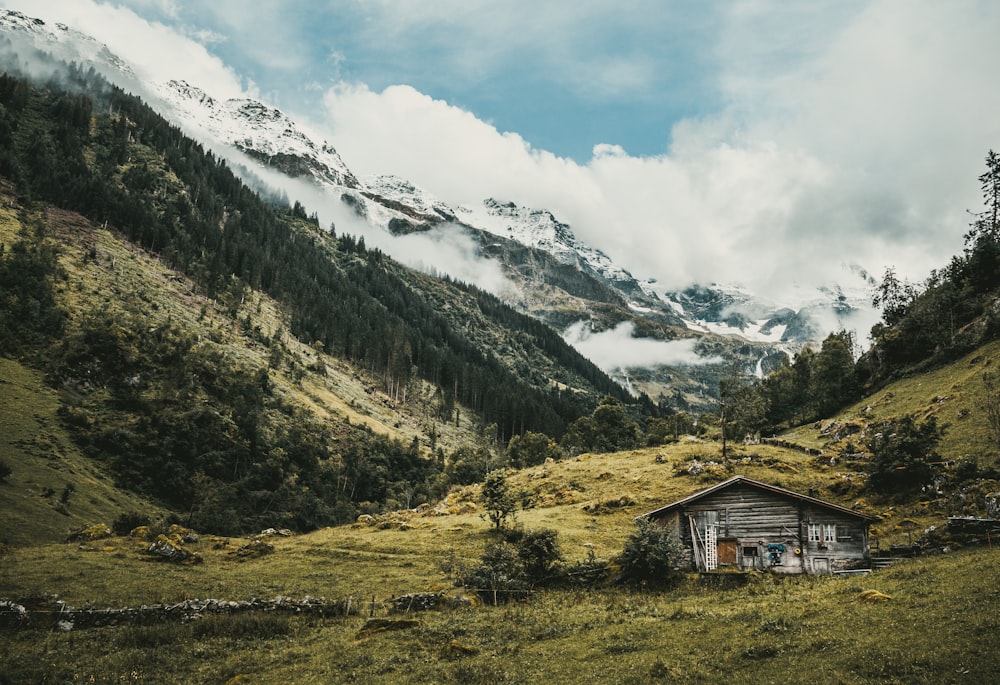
pixel 727 552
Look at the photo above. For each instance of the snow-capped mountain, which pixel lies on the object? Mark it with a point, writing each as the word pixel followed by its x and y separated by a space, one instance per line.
pixel 392 191
pixel 65 43
pixel 534 228
pixel 263 132
pixel 805 315
pixel 560 278
pixel 540 229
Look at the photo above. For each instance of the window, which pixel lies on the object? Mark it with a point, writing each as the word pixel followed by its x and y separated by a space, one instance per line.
pixel 822 533
pixel 844 533
pixel 749 551
pixel 814 532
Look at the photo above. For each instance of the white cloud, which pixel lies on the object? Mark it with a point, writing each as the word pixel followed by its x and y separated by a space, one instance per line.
pixel 850 131
pixel 157 52
pixel 442 250
pixel 616 349
pixel 446 250
pixel 864 147
pixel 403 132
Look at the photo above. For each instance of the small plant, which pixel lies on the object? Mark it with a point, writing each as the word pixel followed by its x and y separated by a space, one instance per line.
pixel 990 403
pixel 587 573
pixel 5 471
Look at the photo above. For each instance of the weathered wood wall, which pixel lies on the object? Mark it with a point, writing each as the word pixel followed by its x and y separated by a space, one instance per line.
pixel 754 518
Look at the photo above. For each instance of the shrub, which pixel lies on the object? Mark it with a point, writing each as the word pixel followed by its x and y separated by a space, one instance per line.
pixel 516 564
pixel 126 523
pixel 499 571
pixel 5 471
pixel 468 465
pixel 532 449
pixel 587 573
pixel 903 454
pixel 651 556
pixel 539 554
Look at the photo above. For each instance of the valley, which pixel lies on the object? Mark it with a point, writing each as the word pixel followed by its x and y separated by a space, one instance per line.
pixel 279 442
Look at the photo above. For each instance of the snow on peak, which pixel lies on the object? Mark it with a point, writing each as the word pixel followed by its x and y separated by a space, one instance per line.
pixel 253 127
pixel 400 191
pixel 539 228
pixel 64 43
pixel 259 130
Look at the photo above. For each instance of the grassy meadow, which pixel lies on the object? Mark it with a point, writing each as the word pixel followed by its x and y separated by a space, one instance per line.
pixel 933 619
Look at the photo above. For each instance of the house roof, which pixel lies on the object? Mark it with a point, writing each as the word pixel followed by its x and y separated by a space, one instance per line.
pixel 743 480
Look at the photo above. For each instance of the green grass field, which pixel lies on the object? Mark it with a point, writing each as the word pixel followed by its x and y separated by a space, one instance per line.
pixel 938 624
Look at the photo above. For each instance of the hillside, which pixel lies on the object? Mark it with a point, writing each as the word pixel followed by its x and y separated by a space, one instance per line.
pixel 54 488
pixel 954 394
pixel 227 357
pixel 103 275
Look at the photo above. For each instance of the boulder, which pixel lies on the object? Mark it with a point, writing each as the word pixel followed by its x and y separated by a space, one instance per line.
pixel 12 615
pixel 170 550
pixel 254 548
pixel 182 534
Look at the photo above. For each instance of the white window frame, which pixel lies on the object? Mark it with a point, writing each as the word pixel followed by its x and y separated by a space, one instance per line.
pixel 814 532
pixel 829 532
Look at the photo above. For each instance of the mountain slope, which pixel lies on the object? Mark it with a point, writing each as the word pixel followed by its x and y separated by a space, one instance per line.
pixel 206 371
pixel 557 278
pixel 53 487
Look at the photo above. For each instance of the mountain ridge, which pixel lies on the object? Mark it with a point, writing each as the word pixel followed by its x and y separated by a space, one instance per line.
pixel 398 206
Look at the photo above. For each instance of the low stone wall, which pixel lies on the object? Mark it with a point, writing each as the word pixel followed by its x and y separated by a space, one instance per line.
pixel 779 442
pixel 56 614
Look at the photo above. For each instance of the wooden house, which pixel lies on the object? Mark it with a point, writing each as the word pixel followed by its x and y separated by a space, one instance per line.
pixel 745 524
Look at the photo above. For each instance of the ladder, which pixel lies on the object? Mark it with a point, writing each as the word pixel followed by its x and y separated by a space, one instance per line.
pixel 711 547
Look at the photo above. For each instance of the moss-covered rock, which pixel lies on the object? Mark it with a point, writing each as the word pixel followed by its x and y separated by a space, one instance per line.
pixel 170 550
pixel 178 532
pixel 96 532
pixel 254 548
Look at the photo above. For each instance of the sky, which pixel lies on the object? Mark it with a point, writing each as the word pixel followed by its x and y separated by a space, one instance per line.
pixel 758 142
